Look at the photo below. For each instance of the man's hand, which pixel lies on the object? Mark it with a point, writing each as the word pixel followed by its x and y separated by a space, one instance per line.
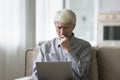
pixel 65 44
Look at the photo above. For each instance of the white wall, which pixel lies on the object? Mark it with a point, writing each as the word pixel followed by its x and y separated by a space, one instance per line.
pixel 107 10
pixel 86 19
pixel 108 5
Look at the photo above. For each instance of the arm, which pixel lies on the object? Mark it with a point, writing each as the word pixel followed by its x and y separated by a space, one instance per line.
pixel 79 56
pixel 81 60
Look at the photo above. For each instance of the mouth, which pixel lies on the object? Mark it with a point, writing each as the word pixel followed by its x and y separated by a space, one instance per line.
pixel 63 36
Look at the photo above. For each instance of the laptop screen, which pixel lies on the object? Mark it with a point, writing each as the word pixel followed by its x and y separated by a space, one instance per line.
pixel 54 70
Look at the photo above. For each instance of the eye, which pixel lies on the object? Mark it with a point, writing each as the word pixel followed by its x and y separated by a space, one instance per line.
pixel 59 27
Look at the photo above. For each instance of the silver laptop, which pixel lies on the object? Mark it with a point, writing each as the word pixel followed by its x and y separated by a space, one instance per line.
pixel 54 70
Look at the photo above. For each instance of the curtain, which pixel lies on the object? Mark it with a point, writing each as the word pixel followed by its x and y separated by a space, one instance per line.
pixel 45 10
pixel 12 39
pixel 18 31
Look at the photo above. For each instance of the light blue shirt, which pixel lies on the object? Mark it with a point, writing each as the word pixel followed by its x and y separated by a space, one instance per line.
pixel 79 56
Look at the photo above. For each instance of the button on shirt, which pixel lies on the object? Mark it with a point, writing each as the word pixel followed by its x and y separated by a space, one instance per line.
pixel 79 56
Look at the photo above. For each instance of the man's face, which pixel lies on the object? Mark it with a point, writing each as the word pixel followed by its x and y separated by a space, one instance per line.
pixel 64 30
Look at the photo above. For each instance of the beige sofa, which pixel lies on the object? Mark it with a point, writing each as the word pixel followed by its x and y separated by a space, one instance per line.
pixel 105 63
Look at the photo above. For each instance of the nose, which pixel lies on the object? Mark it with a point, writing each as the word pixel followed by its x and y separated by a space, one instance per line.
pixel 62 31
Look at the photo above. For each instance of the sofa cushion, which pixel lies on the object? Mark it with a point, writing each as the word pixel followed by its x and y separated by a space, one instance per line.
pixel 93 75
pixel 109 63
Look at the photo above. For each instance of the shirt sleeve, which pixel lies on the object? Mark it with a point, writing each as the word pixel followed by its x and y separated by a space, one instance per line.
pixel 81 61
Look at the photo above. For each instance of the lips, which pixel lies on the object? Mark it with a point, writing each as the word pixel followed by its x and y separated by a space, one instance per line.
pixel 61 37
pixel 65 35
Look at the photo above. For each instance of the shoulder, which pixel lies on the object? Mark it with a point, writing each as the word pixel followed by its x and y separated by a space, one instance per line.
pixel 49 43
pixel 82 42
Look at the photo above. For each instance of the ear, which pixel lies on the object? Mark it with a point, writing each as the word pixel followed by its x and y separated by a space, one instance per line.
pixel 74 26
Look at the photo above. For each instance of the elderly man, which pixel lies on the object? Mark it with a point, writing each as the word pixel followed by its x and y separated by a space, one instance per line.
pixel 66 47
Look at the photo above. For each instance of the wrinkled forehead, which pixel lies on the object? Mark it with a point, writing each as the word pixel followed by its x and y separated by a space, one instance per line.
pixel 57 23
pixel 64 25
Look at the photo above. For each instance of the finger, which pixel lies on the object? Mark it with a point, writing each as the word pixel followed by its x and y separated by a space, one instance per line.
pixel 62 36
pixel 62 39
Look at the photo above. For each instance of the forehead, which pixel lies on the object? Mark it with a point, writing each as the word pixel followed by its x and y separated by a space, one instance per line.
pixel 59 24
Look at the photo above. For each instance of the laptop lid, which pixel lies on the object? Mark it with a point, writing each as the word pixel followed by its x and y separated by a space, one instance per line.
pixel 54 70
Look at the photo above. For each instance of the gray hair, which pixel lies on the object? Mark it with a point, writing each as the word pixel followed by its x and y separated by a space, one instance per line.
pixel 65 16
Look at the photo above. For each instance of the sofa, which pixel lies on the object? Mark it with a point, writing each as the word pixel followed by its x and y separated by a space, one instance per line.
pixel 105 63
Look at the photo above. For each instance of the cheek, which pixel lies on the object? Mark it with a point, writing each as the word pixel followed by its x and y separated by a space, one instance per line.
pixel 70 32
pixel 58 32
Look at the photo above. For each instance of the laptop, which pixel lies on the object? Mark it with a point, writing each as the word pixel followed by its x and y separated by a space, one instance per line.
pixel 54 70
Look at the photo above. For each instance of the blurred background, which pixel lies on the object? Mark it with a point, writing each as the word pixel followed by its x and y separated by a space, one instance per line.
pixel 25 23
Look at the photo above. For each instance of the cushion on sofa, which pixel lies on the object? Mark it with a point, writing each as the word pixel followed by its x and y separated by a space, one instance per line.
pixel 109 63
